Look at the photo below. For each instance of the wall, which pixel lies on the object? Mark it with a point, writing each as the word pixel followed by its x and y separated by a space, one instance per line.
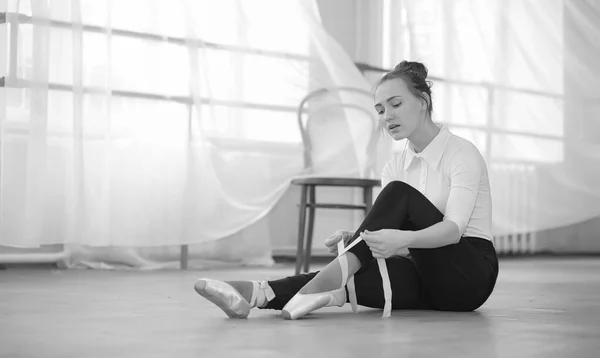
pixel 356 25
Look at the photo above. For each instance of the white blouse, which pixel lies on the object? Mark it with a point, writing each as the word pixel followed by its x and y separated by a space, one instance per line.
pixel 452 174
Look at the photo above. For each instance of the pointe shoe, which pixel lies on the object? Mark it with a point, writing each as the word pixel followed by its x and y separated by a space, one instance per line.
pixel 302 304
pixel 224 296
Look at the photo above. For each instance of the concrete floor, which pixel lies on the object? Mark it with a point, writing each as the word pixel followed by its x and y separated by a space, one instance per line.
pixel 541 308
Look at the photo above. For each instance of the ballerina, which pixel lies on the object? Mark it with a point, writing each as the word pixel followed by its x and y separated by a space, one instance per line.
pixel 425 244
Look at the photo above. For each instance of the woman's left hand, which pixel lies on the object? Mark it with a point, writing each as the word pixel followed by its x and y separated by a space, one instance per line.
pixel 385 243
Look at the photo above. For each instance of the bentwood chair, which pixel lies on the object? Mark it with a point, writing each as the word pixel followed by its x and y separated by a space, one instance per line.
pixel 325 114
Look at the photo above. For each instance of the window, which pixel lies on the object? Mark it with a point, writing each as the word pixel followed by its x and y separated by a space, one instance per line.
pixel 248 79
pixel 496 67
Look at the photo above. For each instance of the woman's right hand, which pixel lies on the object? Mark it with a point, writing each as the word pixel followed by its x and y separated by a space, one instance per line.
pixel 332 241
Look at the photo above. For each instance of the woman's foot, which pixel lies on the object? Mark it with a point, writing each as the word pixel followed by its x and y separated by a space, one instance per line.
pixel 326 289
pixel 244 288
pixel 235 298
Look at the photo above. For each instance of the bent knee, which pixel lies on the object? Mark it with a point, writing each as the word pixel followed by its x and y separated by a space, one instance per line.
pixel 398 185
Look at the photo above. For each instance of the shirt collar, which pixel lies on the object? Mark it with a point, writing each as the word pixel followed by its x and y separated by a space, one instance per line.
pixel 432 154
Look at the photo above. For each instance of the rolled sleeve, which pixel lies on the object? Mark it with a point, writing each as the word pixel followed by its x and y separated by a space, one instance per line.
pixel 466 169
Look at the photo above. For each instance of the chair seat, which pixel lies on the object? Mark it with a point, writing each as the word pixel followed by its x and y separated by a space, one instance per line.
pixel 331 181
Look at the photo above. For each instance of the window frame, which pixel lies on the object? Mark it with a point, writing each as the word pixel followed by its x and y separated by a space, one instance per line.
pixel 12 20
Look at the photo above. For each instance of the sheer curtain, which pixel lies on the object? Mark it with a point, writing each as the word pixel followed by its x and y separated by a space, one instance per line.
pixel 520 79
pixel 130 128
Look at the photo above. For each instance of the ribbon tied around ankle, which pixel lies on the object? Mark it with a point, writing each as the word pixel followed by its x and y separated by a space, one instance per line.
pixel 385 278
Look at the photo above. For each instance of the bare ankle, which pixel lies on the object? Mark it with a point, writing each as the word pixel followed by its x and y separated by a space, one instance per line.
pixel 353 263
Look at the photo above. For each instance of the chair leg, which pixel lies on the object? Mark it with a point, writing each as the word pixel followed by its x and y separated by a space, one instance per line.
pixel 311 226
pixel 301 225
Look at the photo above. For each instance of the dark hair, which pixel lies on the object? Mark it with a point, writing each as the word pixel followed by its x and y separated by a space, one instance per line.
pixel 415 76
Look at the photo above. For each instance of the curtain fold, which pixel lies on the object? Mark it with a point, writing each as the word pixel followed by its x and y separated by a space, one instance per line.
pixel 520 79
pixel 135 127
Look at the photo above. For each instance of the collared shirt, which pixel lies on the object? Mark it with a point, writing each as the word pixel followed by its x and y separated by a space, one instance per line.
pixel 452 174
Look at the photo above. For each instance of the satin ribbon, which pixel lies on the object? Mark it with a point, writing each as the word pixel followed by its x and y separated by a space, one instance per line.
pixel 266 290
pixel 387 288
pixel 350 280
pixel 385 278
pixel 255 286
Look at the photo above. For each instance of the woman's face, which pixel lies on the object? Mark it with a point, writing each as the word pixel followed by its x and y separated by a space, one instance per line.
pixel 400 112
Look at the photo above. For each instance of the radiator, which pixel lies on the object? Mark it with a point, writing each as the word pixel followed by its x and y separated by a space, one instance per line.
pixel 516 185
pixel 516 244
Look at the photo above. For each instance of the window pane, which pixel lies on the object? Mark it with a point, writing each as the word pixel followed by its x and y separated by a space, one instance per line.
pixel 123 63
pixel 163 123
pixel 234 76
pixel 60 64
pixel 455 103
pixel 136 65
pixel 17 105
pixel 60 10
pixel 216 21
pixel 159 122
pixel 22 7
pixel 60 112
pixel 218 77
pixel 524 148
pixel 263 26
pixel 94 12
pixel 273 80
pixel 530 113
pixel 246 123
pixel 271 126
pixel 145 16
pixel 25 52
pixel 532 38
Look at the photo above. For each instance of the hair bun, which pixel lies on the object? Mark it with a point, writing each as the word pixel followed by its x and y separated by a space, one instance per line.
pixel 412 66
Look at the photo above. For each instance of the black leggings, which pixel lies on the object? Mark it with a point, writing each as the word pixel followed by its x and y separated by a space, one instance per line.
pixel 457 277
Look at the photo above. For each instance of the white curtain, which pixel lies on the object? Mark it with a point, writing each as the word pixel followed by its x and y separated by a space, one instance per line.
pixel 130 128
pixel 520 78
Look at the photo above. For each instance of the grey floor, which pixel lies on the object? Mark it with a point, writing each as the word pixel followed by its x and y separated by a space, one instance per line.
pixel 541 308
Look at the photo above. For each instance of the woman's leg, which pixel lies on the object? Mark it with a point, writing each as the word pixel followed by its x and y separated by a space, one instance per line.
pixel 454 277
pixel 391 210
pixel 394 208
pixel 286 288
pixel 416 283
pixel 397 206
pixel 406 286
pixel 458 277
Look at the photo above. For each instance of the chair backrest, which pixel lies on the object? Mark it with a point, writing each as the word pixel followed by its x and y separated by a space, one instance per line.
pixel 343 118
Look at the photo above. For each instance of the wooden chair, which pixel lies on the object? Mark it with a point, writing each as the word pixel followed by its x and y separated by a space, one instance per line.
pixel 341 101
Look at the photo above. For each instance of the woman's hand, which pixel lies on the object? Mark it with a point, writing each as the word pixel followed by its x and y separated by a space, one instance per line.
pixel 332 241
pixel 385 243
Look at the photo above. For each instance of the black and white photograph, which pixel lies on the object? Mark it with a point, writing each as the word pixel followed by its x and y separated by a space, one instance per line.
pixel 299 178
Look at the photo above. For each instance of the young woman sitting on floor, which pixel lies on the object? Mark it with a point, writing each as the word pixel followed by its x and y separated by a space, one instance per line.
pixel 435 205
